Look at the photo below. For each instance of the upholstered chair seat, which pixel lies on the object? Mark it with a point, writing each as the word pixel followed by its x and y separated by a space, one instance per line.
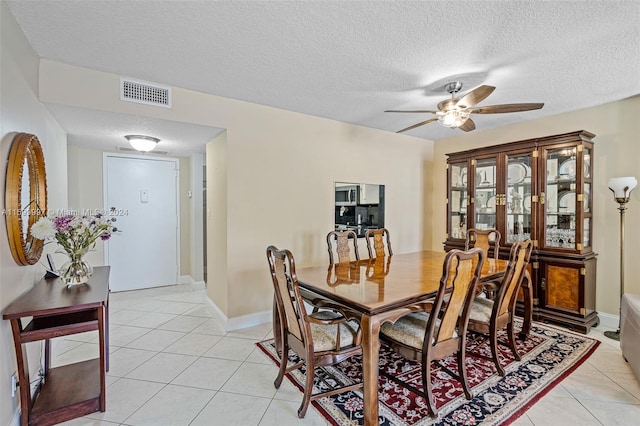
pixel 410 329
pixel 481 309
pixel 324 335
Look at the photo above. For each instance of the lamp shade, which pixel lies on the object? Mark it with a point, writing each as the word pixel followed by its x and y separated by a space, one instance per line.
pixel 142 143
pixel 622 186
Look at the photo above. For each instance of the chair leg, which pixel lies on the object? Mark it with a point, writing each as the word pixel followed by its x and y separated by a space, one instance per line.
pixel 283 366
pixel 308 389
pixel 512 340
pixel 493 338
pixel 277 328
pixel 426 385
pixel 462 372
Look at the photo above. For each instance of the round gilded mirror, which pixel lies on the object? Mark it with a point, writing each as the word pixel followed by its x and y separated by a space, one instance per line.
pixel 25 197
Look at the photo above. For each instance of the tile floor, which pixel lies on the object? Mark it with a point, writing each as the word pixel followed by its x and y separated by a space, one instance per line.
pixel 172 363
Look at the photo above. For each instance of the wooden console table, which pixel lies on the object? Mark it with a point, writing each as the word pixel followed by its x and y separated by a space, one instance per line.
pixel 73 390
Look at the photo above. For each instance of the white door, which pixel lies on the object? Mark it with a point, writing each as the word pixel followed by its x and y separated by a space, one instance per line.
pixel 142 194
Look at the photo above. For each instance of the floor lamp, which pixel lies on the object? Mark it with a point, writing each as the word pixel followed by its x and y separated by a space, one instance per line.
pixel 621 188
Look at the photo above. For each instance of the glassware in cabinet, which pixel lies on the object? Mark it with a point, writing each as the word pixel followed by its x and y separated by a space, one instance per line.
pixel 560 198
pixel 458 196
pixel 586 196
pixel 485 194
pixel 520 194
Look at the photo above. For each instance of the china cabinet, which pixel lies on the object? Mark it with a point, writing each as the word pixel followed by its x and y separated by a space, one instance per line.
pixel 540 189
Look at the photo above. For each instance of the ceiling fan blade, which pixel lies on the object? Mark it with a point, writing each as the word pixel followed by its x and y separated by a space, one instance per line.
pixel 475 96
pixel 422 123
pixel 498 109
pixel 468 125
pixel 424 111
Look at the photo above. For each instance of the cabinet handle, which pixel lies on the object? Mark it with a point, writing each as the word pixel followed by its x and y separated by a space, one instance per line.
pixel 543 284
pixel 542 198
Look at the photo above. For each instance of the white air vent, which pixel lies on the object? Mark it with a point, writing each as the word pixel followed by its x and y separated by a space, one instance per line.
pixel 144 92
pixel 127 149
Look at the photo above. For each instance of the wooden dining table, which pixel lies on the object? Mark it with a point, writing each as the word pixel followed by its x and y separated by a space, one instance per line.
pixel 384 289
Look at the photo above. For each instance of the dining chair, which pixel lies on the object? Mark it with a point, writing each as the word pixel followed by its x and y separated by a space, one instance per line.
pixel 486 239
pixel 376 239
pixel 489 316
pixel 489 241
pixel 338 241
pixel 319 339
pixel 430 338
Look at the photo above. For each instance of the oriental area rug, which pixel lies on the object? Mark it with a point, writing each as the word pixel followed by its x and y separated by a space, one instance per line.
pixel 548 356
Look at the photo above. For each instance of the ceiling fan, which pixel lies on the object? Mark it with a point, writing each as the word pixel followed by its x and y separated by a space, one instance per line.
pixel 455 112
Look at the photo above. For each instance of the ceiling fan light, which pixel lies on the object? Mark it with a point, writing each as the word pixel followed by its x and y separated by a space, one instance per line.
pixel 142 143
pixel 453 118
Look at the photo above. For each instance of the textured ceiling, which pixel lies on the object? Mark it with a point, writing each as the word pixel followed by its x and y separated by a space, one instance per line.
pixel 351 60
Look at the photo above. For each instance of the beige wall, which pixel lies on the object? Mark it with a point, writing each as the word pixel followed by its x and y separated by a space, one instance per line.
pixel 216 219
pixel 197 217
pixel 86 189
pixel 185 215
pixel 20 111
pixel 616 153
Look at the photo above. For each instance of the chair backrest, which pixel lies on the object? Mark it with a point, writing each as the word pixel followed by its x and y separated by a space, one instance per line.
pixel 340 240
pixel 486 239
pixel 289 302
pixel 507 292
pixel 460 273
pixel 379 237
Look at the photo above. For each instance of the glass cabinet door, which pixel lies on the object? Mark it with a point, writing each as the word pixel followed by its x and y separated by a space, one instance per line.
pixel 485 194
pixel 519 191
pixel 587 200
pixel 560 198
pixel 458 197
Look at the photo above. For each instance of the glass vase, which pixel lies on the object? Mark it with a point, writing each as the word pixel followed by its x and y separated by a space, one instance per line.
pixel 76 271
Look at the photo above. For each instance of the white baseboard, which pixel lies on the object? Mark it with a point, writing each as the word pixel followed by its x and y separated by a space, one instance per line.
pixel 244 321
pixel 188 279
pixel 185 279
pixel 216 311
pixel 608 321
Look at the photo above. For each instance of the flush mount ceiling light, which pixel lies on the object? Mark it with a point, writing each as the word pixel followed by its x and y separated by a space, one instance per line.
pixel 142 143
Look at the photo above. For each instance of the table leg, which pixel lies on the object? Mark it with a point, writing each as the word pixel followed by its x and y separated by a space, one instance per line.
pixel 23 371
pixel 370 352
pixel 106 333
pixel 528 306
pixel 47 357
pixel 103 358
